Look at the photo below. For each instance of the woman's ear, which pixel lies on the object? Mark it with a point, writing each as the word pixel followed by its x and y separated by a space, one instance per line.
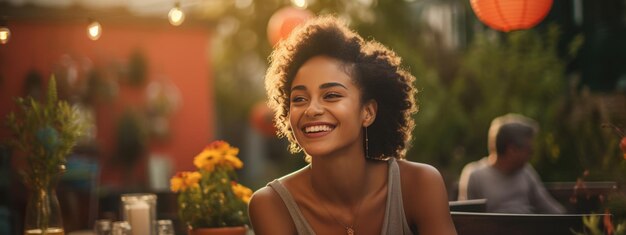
pixel 370 108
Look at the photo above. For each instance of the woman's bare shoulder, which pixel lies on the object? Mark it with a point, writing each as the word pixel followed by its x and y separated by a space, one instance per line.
pixel 296 181
pixel 425 198
pixel 418 178
pixel 418 171
pixel 268 213
pixel 420 181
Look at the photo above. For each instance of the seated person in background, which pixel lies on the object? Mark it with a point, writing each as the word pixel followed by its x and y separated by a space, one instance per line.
pixel 505 178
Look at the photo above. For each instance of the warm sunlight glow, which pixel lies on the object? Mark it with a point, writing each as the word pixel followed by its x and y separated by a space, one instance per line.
pixel 299 3
pixel 94 30
pixel 5 34
pixel 176 16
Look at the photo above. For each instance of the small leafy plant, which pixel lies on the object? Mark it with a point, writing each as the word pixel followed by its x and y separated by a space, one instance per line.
pixel 45 133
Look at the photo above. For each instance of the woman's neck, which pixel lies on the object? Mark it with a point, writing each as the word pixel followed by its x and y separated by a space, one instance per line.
pixel 340 179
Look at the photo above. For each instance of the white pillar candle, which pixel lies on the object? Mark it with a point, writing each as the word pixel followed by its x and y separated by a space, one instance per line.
pixel 139 218
pixel 139 210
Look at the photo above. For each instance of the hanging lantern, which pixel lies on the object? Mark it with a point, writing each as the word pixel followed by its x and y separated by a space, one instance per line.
pixel 508 15
pixel 262 119
pixel 284 21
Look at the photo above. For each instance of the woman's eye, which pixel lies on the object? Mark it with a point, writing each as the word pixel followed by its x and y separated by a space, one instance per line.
pixel 297 99
pixel 332 96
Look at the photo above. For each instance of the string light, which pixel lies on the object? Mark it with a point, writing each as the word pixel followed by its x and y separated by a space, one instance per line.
pixel 94 30
pixel 5 33
pixel 299 3
pixel 176 15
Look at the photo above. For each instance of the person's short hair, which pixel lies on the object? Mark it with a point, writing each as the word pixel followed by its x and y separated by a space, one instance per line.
pixel 500 121
pixel 373 68
pixel 513 134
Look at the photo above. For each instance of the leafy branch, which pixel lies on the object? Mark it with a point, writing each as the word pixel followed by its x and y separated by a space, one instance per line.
pixel 45 132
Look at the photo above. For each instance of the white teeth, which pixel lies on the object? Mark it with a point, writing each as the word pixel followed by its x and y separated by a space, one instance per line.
pixel 319 128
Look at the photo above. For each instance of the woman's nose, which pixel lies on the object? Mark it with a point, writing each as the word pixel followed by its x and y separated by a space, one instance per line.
pixel 314 109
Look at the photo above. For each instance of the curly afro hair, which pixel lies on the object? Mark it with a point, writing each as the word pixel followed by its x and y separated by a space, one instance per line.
pixel 374 69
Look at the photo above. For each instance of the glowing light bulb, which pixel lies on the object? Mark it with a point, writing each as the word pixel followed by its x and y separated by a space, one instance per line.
pixel 94 30
pixel 299 3
pixel 5 34
pixel 176 15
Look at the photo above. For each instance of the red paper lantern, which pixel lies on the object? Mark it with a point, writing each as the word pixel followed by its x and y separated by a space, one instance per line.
pixel 284 21
pixel 507 15
pixel 262 119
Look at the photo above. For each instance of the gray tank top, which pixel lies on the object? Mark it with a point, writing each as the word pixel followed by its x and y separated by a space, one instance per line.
pixel 395 220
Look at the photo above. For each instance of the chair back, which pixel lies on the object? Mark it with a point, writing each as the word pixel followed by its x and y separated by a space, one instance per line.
pixel 474 205
pixel 472 223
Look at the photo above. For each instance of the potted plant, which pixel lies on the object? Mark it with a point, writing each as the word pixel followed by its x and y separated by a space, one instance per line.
pixel 45 133
pixel 210 201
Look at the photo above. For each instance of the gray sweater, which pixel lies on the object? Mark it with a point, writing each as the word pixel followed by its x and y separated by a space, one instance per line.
pixel 521 192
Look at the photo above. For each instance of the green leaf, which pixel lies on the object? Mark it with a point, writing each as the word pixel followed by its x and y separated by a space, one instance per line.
pixel 52 91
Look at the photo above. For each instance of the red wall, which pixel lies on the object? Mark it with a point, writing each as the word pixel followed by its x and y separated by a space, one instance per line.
pixel 181 54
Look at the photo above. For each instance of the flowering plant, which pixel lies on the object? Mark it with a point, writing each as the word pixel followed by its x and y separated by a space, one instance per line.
pixel 211 196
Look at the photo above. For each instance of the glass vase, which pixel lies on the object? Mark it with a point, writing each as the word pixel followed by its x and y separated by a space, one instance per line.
pixel 43 212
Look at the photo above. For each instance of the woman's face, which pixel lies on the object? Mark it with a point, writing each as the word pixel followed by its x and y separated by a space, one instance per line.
pixel 325 112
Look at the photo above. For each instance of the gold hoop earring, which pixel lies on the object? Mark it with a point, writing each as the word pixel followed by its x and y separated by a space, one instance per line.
pixel 367 154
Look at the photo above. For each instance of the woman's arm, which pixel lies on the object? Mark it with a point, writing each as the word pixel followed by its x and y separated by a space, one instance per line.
pixel 426 199
pixel 268 214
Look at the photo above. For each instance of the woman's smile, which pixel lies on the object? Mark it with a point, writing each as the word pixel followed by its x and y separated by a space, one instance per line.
pixel 317 129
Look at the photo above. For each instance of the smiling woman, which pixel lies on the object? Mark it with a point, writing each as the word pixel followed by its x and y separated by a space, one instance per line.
pixel 322 87
pixel 346 103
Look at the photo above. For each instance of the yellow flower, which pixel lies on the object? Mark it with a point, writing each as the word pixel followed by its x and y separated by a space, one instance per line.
pixel 185 180
pixel 192 179
pixel 242 192
pixel 233 161
pixel 224 147
pixel 217 153
pixel 176 183
pixel 203 161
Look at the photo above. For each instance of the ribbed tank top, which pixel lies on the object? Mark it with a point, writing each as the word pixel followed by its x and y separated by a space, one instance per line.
pixel 395 219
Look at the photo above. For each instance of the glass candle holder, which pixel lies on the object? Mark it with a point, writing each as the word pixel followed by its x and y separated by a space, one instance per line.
pixel 165 227
pixel 102 227
pixel 140 212
pixel 121 228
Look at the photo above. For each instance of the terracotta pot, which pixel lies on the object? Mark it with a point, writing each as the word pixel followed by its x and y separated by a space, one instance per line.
pixel 218 231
